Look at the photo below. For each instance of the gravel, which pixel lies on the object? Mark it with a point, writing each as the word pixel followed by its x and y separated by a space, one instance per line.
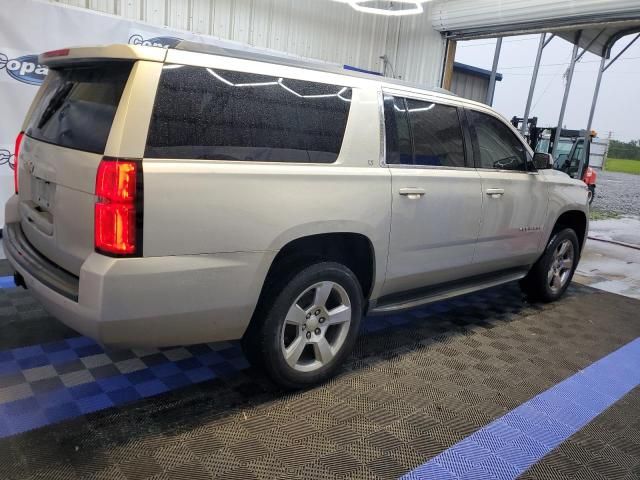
pixel 617 193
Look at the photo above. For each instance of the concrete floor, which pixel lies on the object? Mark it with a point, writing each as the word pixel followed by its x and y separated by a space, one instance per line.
pixel 612 267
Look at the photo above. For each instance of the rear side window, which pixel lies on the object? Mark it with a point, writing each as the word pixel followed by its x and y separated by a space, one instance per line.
pixel 204 113
pixel 398 133
pixel 78 104
pixel 422 133
pixel 437 135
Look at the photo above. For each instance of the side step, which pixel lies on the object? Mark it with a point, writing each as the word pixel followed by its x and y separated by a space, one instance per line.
pixel 397 303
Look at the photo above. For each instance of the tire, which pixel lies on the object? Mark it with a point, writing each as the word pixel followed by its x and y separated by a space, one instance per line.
pixel 591 194
pixel 306 325
pixel 551 275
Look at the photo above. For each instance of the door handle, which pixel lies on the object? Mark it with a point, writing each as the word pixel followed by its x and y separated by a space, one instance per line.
pixel 495 192
pixel 412 192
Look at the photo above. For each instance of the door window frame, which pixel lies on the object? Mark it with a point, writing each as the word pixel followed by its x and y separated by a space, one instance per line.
pixel 466 145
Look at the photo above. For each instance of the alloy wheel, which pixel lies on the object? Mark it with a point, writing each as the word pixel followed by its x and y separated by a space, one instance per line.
pixel 316 326
pixel 561 266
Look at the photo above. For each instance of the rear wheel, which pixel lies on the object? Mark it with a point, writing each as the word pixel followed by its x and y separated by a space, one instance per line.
pixel 307 326
pixel 550 276
pixel 591 194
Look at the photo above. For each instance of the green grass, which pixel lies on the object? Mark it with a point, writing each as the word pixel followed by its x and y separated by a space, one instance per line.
pixel 622 165
pixel 602 215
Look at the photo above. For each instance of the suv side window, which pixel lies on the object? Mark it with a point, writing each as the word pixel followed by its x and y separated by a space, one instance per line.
pixel 205 113
pixel 437 135
pixel 398 134
pixel 422 133
pixel 495 146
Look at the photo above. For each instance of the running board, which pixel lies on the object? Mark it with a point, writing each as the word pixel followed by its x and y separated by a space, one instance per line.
pixel 435 294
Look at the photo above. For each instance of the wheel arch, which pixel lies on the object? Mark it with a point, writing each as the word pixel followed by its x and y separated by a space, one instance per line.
pixel 355 250
pixel 576 220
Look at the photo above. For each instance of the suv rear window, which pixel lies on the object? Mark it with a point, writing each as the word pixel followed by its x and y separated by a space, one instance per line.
pixel 205 113
pixel 78 104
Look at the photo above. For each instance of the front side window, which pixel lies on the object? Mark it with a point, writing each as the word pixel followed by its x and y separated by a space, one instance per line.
pixel 205 113
pixel 495 146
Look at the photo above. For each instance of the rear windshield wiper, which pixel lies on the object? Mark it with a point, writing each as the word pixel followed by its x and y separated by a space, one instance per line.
pixel 55 103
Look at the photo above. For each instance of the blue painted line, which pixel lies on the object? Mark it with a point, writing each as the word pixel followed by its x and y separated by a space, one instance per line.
pixel 7 282
pixel 507 447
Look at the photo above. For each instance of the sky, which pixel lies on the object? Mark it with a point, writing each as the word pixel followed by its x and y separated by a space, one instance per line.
pixel 618 104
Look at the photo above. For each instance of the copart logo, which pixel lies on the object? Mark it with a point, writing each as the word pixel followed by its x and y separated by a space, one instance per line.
pixel 162 42
pixel 25 69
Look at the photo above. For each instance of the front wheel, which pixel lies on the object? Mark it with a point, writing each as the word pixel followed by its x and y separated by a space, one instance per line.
pixel 591 194
pixel 550 276
pixel 304 332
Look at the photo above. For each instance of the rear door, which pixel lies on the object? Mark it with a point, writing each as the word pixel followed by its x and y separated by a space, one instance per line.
pixel 515 199
pixel 65 139
pixel 436 195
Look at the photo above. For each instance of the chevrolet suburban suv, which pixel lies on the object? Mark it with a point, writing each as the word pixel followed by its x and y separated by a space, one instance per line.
pixel 194 194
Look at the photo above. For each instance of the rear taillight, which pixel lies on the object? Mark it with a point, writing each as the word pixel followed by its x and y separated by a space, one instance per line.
pixel 118 210
pixel 15 163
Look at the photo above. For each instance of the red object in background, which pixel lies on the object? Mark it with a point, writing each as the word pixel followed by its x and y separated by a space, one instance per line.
pixel 589 176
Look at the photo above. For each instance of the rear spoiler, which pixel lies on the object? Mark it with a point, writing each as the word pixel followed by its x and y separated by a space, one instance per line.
pixel 73 55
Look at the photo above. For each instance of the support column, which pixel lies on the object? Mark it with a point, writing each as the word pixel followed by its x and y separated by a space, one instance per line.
pixel 587 133
pixel 494 70
pixel 532 87
pixel 447 73
pixel 567 88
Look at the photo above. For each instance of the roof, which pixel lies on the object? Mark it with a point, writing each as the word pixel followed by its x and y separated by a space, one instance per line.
pixel 260 56
pixel 477 71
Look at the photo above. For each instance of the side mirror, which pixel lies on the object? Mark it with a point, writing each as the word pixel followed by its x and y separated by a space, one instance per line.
pixel 542 161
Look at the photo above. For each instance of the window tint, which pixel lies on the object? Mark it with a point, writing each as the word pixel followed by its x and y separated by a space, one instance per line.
pixel 398 136
pixel 437 135
pixel 203 113
pixel 494 144
pixel 78 104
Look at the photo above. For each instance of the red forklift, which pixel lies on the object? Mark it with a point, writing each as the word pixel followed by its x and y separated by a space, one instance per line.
pixel 570 154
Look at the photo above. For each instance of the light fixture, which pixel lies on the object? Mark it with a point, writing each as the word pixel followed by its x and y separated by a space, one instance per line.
pixel 357 6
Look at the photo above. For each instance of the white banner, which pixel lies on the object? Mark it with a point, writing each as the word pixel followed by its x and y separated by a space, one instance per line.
pixel 30 27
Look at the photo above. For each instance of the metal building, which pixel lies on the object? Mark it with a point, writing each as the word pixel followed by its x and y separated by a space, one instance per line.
pixel 318 29
pixel 471 82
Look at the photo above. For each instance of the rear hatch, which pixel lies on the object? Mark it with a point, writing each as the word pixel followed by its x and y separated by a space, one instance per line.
pixel 65 138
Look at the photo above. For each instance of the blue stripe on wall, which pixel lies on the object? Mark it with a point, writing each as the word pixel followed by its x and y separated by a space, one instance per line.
pixel 507 447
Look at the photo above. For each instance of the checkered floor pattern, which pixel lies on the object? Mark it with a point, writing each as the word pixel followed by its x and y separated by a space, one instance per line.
pixel 416 384
pixel 48 383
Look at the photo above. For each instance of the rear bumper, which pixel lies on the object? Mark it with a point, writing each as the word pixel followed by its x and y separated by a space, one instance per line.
pixel 152 302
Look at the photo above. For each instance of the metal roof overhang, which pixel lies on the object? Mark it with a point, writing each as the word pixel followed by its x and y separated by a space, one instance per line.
pixel 602 22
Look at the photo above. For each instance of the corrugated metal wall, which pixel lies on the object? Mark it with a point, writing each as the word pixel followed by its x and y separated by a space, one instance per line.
pixel 319 29
pixel 468 86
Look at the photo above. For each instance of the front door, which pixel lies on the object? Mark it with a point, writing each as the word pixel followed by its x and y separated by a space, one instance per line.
pixel 436 196
pixel 515 199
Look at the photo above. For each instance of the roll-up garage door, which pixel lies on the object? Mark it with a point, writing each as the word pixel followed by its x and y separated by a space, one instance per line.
pixel 465 19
